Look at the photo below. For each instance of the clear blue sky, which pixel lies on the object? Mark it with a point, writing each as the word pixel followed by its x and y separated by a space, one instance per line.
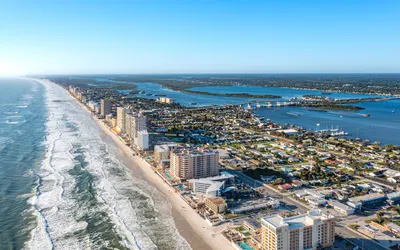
pixel 199 36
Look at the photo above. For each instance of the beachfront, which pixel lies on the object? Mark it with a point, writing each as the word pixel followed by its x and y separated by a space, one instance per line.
pixel 247 144
pixel 198 233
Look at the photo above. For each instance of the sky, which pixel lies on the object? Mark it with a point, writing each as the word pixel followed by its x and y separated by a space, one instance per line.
pixel 199 36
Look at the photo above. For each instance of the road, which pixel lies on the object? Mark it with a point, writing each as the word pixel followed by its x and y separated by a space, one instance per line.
pixel 271 191
pixel 363 243
pixel 358 239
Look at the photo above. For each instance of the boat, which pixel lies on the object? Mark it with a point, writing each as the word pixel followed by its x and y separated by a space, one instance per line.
pixel 334 129
pixel 339 133
pixel 366 115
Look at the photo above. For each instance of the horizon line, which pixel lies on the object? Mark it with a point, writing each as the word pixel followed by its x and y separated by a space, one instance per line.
pixel 222 73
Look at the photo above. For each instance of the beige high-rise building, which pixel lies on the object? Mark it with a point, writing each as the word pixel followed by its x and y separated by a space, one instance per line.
pixel 165 100
pixel 128 124
pixel 194 163
pixel 163 152
pixel 305 231
pixel 134 122
pixel 121 119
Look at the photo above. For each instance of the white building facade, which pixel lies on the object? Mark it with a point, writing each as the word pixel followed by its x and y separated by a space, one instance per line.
pixel 143 140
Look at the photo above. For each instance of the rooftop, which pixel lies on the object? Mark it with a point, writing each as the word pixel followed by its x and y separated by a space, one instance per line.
pixel 214 185
pixel 221 177
pixel 161 148
pixel 394 227
pixel 165 147
pixel 217 200
pixel 194 151
pixel 393 195
pixel 298 221
pixel 143 132
pixel 367 197
pixel 340 205
pixel 253 222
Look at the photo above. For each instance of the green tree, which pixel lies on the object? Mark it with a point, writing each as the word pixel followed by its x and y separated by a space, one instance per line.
pixel 379 218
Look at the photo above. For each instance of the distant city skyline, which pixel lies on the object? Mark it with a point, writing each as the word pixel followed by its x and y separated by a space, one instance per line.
pixel 192 37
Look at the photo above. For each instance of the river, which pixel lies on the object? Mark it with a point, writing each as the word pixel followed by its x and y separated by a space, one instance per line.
pixel 383 125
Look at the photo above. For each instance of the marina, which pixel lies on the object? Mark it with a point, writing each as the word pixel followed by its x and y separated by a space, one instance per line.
pixel 380 126
pixel 333 132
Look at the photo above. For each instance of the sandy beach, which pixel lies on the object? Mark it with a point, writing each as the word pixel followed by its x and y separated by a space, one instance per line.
pixel 197 232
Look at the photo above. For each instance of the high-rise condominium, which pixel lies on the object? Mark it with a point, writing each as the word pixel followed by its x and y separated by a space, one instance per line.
pixel 306 231
pixel 194 163
pixel 105 107
pixel 121 119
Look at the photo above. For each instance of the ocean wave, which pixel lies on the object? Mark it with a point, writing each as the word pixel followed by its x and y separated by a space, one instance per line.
pixel 28 96
pixel 13 122
pixel 13 117
pixel 11 112
pixel 4 141
pixel 86 198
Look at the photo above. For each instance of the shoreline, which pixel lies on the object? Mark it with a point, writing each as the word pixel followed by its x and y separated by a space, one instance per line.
pixel 195 230
pixel 265 86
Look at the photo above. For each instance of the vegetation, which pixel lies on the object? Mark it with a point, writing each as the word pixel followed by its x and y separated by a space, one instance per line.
pixel 259 172
pixel 331 106
pixel 352 83
pixel 244 95
pixel 354 227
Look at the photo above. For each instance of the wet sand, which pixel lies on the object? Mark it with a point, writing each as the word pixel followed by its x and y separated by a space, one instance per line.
pixel 196 231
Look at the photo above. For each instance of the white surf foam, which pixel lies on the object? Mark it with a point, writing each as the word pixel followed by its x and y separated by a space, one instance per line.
pixel 11 113
pixel 128 202
pixel 10 122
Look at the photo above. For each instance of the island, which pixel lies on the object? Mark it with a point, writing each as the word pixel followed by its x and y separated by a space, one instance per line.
pixel 243 95
pixel 330 106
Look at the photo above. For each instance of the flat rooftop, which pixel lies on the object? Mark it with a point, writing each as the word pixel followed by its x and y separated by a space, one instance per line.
pixel 217 200
pixel 298 221
pixel 292 222
pixel 340 205
pixel 367 197
pixel 393 195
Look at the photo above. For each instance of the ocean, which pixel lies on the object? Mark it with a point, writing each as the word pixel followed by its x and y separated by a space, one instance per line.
pixel 65 185
pixel 22 132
